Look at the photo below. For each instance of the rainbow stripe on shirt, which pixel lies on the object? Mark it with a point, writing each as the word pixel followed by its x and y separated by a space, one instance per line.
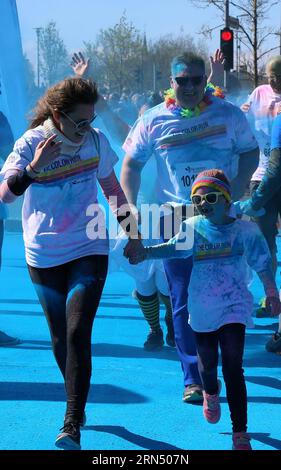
pixel 186 137
pixel 68 169
pixel 208 251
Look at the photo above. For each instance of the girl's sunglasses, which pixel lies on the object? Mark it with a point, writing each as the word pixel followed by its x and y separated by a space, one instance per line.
pixel 210 198
pixel 80 124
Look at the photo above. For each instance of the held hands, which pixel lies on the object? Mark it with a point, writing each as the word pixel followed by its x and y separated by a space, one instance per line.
pixel 46 152
pixel 134 251
pixel 273 305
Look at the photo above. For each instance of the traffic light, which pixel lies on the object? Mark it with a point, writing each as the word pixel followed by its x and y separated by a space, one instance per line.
pixel 226 46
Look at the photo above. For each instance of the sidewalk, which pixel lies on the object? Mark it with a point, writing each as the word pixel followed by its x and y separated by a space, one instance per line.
pixel 135 398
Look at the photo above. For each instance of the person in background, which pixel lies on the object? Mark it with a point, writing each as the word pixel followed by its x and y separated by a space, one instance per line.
pixel 6 145
pixel 261 108
pixel 267 192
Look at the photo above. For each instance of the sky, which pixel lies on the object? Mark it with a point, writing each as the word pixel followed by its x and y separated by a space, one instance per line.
pixel 81 20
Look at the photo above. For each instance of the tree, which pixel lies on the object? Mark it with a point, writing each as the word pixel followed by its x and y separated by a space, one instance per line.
pixel 116 53
pixel 123 58
pixel 32 91
pixel 54 59
pixel 162 51
pixel 252 14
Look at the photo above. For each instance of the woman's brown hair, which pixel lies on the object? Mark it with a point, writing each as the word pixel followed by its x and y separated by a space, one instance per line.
pixel 64 96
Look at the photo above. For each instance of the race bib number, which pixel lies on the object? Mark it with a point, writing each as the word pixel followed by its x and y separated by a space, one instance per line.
pixel 186 173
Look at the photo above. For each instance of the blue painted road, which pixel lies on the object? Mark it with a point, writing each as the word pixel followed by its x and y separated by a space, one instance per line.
pixel 135 398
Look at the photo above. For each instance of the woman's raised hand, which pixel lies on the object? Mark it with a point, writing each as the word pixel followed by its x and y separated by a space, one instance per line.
pixel 81 67
pixel 46 152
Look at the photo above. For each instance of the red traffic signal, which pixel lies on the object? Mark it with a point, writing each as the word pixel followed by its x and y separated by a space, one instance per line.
pixel 227 35
pixel 226 46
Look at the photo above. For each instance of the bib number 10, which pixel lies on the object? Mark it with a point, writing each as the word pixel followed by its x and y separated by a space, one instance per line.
pixel 188 180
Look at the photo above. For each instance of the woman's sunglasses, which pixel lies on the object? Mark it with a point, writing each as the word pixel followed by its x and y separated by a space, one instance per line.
pixel 80 124
pixel 210 198
pixel 183 81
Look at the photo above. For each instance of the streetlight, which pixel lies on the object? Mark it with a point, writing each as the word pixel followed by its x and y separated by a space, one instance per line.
pixel 38 32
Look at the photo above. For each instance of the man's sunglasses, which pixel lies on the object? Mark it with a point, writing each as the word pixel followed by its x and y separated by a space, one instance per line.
pixel 195 81
pixel 80 124
pixel 210 198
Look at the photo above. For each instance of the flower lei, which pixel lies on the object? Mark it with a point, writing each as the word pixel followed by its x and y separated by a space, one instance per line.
pixel 210 91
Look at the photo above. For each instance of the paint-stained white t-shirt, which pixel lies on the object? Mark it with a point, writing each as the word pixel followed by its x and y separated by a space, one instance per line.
pixel 222 257
pixel 264 105
pixel 184 147
pixel 59 213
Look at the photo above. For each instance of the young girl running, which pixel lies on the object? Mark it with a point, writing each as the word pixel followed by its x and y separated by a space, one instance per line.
pixel 219 301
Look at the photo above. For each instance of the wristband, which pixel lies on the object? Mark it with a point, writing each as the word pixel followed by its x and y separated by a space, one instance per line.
pixel 32 169
pixel 19 182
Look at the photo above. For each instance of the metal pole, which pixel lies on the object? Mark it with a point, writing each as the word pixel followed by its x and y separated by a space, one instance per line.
pixel 154 76
pixel 226 13
pixel 226 24
pixel 237 51
pixel 38 31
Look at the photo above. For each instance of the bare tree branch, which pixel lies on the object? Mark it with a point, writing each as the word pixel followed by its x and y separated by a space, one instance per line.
pixel 266 52
pixel 253 34
pixel 263 39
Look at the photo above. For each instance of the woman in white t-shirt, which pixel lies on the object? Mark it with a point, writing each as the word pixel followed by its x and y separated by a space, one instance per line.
pixel 57 164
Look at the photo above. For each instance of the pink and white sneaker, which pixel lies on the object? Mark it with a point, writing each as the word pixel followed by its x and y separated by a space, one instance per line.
pixel 241 441
pixel 211 406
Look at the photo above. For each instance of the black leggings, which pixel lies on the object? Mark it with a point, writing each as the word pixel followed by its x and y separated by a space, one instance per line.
pixel 231 339
pixel 70 296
